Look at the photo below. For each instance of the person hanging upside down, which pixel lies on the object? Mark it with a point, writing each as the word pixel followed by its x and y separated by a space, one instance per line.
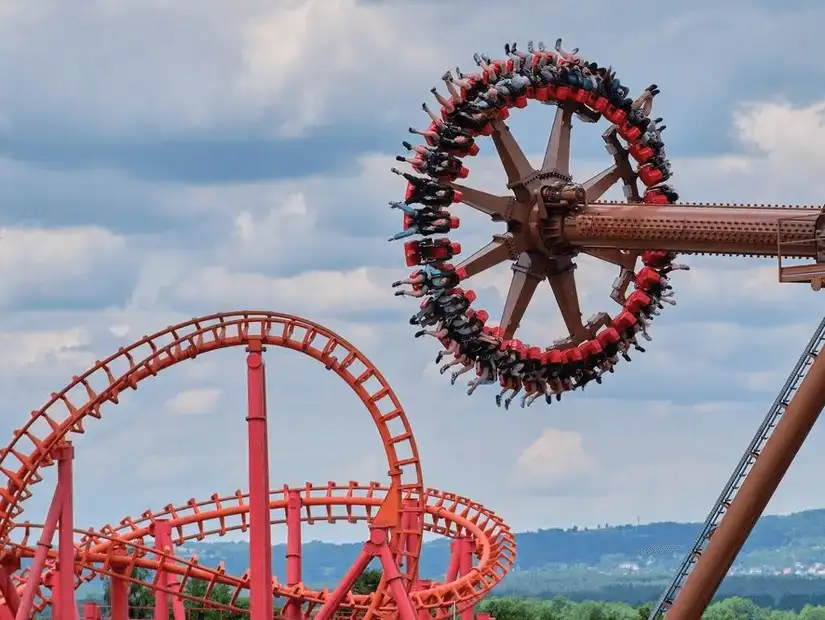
pixel 425 223
pixel 426 284
pixel 428 192
pixel 434 163
pixel 569 57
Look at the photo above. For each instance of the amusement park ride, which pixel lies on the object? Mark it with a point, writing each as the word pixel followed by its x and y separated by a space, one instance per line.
pixel 550 218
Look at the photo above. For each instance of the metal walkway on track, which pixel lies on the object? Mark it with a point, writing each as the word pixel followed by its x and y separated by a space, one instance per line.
pixel 748 458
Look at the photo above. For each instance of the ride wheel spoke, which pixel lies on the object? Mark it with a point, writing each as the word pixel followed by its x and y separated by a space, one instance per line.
pixel 561 273
pixel 622 162
pixel 598 185
pixel 528 271
pixel 500 249
pixel 515 162
pixel 557 153
pixel 497 207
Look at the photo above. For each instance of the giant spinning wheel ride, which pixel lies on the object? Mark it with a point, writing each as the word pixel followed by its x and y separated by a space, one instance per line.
pixel 551 218
pixel 397 512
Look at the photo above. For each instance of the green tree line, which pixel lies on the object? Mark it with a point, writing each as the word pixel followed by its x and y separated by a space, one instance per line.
pixel 560 608
pixel 142 600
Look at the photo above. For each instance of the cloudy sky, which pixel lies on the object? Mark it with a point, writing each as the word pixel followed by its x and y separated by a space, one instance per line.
pixel 163 160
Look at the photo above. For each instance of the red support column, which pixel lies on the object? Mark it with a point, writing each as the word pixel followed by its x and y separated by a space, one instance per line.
pixel 178 610
pixel 118 593
pixel 91 611
pixel 44 545
pixel 422 584
pixel 260 534
pixel 393 577
pixel 465 565
pixel 9 591
pixel 292 609
pixel 162 533
pixel 455 560
pixel 51 580
pixel 67 608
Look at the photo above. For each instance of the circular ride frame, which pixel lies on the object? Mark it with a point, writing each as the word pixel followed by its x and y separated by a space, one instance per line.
pixel 396 514
pixel 551 219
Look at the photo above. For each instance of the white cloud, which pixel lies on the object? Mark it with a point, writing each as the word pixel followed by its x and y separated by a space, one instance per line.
pixel 327 292
pixel 194 402
pixel 309 245
pixel 21 349
pixel 553 462
pixel 38 253
pixel 345 41
pixel 782 129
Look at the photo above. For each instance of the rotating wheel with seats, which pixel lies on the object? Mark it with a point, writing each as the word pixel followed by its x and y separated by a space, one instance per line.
pixel 540 203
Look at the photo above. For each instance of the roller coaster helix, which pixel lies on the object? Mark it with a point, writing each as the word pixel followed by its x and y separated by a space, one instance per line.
pixel 551 219
pixel 397 512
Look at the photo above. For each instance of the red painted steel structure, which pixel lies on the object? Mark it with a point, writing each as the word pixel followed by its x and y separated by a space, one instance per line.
pixel 397 514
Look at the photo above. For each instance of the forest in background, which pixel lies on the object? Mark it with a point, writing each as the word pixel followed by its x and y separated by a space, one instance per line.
pixel 141 601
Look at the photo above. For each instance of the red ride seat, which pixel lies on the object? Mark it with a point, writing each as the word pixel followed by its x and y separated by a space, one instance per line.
pixel 650 176
pixel 657 258
pixel 590 348
pixel 411 255
pixel 608 336
pixel 520 101
pixel 655 197
pixel 623 321
pixel 640 152
pixel 648 278
pixel 580 95
pixel 553 356
pixel 615 115
pixel 638 301
pixel 599 104
pixel 573 356
pixel 629 132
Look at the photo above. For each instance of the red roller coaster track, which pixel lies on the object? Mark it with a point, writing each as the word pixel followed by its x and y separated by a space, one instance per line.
pixel 550 219
pixel 397 514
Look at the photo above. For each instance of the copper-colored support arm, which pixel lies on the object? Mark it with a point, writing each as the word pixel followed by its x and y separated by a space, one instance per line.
pixel 753 496
pixel 694 228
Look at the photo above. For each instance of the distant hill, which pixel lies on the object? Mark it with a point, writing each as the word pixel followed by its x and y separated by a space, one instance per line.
pixel 777 542
pixel 631 561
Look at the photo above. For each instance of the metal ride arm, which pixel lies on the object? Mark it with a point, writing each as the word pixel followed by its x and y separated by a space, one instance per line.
pixel 696 228
pixel 800 370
